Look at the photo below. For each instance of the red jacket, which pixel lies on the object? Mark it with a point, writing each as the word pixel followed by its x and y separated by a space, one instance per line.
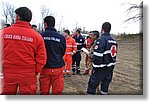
pixel 88 43
pixel 71 46
pixel 23 48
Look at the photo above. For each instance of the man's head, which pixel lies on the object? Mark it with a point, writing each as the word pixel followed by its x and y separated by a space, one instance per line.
pixel 94 34
pixel 49 21
pixel 66 33
pixel 78 32
pixel 34 27
pixel 7 25
pixel 90 34
pixel 23 14
pixel 106 27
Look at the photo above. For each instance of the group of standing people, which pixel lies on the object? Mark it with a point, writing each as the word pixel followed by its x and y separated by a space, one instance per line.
pixel 27 53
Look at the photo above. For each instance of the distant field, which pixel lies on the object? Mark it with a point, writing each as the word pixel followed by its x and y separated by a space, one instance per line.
pixel 127 79
pixel 128 73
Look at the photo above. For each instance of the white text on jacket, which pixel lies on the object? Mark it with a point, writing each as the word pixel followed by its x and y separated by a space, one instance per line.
pixel 18 37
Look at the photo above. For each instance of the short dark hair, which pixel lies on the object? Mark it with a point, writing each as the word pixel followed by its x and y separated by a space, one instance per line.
pixel 95 32
pixel 24 14
pixel 78 31
pixel 50 21
pixel 106 27
pixel 67 31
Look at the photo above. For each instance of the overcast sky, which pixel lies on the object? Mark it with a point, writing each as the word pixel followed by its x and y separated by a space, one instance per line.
pixel 85 13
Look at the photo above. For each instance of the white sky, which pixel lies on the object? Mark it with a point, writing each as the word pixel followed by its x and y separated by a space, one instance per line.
pixel 85 13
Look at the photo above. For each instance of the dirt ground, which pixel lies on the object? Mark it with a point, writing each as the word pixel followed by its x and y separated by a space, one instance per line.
pixel 128 72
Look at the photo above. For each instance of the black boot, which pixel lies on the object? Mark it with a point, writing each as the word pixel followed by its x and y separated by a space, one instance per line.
pixel 73 69
pixel 78 71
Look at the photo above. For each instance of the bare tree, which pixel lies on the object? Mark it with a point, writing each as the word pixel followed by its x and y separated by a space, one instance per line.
pixel 136 12
pixel 5 11
pixel 8 12
pixel 45 12
pixel 12 13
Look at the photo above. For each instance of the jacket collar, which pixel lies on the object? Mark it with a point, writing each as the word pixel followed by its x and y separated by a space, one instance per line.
pixel 104 34
pixel 78 35
pixel 23 24
pixel 50 29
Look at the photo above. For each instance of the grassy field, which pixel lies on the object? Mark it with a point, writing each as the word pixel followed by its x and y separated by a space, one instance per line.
pixel 127 77
pixel 128 73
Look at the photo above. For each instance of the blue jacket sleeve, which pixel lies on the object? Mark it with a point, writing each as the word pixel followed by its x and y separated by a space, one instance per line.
pixel 98 53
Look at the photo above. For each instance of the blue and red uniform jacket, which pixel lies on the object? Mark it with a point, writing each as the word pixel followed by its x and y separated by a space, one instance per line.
pixel 105 51
pixel 79 41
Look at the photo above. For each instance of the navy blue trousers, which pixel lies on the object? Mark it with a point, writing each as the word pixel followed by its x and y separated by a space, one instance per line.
pixel 101 76
pixel 76 58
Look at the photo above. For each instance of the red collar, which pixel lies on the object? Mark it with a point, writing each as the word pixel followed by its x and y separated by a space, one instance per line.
pixel 23 24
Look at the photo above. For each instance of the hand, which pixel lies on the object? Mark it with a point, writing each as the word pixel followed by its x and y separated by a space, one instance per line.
pixel 81 52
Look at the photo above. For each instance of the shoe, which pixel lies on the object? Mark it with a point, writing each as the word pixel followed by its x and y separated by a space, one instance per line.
pixel 79 73
pixel 103 93
pixel 86 72
pixel 73 73
pixel 64 75
pixel 68 75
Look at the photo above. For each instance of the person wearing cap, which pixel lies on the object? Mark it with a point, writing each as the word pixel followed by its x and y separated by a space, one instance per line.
pixel 34 27
pixel 71 49
pixel 52 73
pixel 7 25
pixel 24 55
pixel 103 61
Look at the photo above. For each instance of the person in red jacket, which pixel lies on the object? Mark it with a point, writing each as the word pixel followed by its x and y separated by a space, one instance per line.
pixel 88 46
pixel 71 48
pixel 24 55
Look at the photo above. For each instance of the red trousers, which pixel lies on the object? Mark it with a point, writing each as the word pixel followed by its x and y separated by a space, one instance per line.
pixel 68 63
pixel 25 82
pixel 51 77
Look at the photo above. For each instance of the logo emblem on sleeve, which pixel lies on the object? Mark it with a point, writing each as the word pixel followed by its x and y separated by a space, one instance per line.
pixel 96 47
pixel 113 51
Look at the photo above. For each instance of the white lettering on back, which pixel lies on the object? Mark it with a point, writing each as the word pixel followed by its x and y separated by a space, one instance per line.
pixel 18 37
pixel 52 39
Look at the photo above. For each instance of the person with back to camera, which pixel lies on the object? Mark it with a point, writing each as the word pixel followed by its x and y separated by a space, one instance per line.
pixel 52 73
pixel 103 61
pixel 24 55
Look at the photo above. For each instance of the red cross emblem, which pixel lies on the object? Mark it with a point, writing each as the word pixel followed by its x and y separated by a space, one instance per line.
pixel 113 51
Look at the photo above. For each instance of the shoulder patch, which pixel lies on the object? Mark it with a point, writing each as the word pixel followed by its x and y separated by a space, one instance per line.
pixel 96 47
pixel 113 51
